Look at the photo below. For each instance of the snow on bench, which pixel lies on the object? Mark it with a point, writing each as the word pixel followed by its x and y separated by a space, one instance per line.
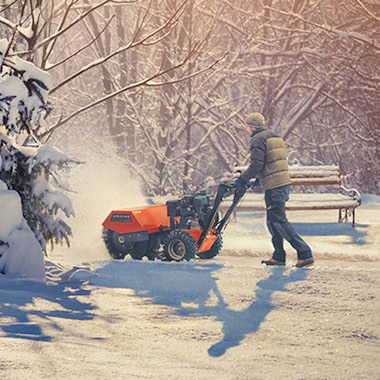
pixel 310 175
pixel 300 201
pixel 344 200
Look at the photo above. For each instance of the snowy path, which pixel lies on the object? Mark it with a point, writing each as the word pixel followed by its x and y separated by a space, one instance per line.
pixel 228 319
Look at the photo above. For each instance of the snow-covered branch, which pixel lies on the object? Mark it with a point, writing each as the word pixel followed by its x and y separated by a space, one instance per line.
pixel 144 40
pixel 350 34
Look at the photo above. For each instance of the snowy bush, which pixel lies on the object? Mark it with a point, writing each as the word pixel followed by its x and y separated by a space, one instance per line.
pixel 20 253
pixel 28 168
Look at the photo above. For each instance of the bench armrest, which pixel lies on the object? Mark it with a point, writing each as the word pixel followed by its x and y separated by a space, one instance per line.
pixel 353 193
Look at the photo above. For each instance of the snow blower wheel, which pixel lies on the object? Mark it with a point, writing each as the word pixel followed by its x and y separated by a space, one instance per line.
pixel 179 245
pixel 118 248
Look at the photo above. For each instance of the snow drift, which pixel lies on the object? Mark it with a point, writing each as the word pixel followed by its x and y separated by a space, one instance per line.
pixel 20 253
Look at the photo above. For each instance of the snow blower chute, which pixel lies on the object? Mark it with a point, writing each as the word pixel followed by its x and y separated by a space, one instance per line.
pixel 181 229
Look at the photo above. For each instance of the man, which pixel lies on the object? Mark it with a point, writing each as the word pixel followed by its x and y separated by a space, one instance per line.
pixel 269 164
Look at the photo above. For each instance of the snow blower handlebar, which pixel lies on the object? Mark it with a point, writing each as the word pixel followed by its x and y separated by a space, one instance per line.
pixel 225 189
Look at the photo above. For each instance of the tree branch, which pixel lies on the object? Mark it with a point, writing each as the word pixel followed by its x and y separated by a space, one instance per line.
pixel 122 49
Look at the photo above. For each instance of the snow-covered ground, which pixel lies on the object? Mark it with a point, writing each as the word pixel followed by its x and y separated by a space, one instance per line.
pixel 20 253
pixel 227 318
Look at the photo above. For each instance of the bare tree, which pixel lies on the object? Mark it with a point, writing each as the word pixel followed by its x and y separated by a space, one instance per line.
pixel 43 26
pixel 310 67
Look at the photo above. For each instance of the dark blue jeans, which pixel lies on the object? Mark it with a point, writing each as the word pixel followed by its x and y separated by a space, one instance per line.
pixel 279 226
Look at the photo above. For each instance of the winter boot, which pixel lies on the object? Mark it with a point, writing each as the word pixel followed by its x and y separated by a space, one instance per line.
pixel 273 262
pixel 305 263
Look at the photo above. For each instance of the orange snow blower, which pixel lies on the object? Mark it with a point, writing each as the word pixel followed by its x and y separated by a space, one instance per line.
pixel 181 229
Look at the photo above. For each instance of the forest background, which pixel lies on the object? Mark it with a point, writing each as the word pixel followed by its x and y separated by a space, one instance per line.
pixel 166 85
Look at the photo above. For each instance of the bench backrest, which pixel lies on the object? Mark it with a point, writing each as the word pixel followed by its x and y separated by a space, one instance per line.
pixel 315 175
pixel 310 175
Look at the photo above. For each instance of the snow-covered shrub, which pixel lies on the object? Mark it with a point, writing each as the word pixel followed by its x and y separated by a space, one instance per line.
pixel 20 253
pixel 27 166
pixel 31 172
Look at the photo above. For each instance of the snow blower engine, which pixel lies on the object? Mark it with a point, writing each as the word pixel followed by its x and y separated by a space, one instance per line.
pixel 181 229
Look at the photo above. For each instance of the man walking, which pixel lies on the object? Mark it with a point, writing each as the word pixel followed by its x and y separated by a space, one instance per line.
pixel 269 164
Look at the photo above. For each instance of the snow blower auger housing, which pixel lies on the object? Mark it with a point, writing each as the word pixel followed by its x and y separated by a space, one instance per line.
pixel 179 230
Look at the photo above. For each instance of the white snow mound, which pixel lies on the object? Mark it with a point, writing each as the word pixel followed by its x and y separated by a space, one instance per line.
pixel 21 255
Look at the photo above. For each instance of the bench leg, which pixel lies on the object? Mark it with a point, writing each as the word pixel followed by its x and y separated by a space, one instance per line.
pixel 340 216
pixel 344 215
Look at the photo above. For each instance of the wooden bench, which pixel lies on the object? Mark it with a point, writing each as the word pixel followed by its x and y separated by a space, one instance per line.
pixel 336 198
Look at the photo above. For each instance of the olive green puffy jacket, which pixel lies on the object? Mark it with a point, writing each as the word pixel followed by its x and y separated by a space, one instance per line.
pixel 268 160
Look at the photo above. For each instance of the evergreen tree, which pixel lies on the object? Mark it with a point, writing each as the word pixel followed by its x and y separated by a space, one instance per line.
pixel 26 165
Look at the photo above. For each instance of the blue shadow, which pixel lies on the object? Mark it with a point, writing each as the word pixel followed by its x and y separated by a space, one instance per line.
pixel 358 234
pixel 238 324
pixel 168 284
pixel 255 222
pixel 17 300
pixel 178 284
pixel 370 202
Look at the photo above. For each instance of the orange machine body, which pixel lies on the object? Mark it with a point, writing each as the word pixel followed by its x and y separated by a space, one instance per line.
pixel 152 219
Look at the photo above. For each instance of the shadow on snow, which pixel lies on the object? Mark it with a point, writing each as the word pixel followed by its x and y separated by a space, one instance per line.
pixel 178 284
pixel 17 302
pixel 358 233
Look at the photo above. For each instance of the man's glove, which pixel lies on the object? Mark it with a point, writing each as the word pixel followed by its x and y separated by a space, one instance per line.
pixel 256 183
pixel 240 183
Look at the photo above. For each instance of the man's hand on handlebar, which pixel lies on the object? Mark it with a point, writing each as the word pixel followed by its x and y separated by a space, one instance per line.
pixel 241 183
